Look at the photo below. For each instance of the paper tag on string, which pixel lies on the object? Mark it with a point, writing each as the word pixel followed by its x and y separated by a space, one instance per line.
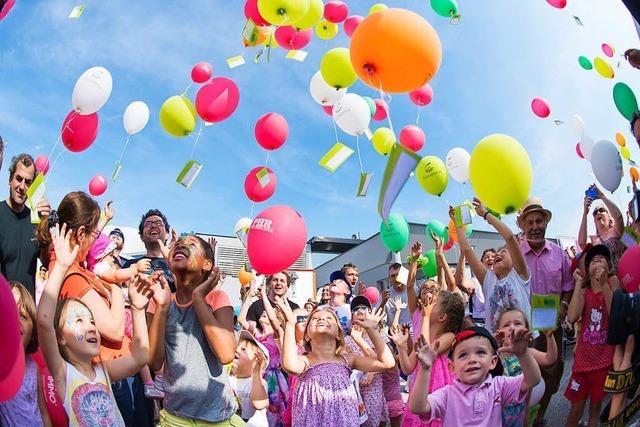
pixel 263 177
pixel 250 33
pixel 76 12
pixel 189 173
pixel 558 122
pixel 116 171
pixel 455 19
pixel 35 193
pixel 297 55
pixel 578 21
pixel 335 157
pixel 544 312
pixel 365 180
pixel 235 61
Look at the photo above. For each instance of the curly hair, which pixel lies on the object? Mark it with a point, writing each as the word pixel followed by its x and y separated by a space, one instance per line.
pixel 153 212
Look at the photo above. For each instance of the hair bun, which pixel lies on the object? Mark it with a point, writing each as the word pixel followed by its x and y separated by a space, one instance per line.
pixel 53 219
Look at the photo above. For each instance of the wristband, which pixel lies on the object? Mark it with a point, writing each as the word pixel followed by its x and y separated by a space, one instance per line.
pixel 485 215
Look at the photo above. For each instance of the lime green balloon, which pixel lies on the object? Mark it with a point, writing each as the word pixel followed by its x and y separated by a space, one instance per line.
pixel 625 100
pixel 336 68
pixel 500 173
pixel 395 233
pixel 430 269
pixel 178 116
pixel 438 228
pixel 312 17
pixel 283 12
pixel 432 175
pixel 326 30
pixel 371 103
pixel 383 140
pixel 469 230
pixel 585 63
pixel 378 7
pixel 445 8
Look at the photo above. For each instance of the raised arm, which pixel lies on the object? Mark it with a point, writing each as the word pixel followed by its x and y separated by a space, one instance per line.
pixel 384 359
pixel 258 395
pixel 158 320
pixel 466 286
pixel 109 319
pixel 246 303
pixel 291 361
pixel 271 314
pixel 400 337
pixel 544 360
pixel 356 336
pixel 477 268
pixel 518 345
pixel 582 233
pixel 443 265
pixel 119 275
pixel 419 402
pixel 614 211
pixel 577 299
pixel 416 252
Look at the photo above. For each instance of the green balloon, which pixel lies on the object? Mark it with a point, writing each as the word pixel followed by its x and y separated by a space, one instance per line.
pixel 625 100
pixel 395 233
pixel 430 269
pixel 432 175
pixel 438 228
pixel 178 116
pixel 313 16
pixel 585 63
pixel 336 68
pixel 445 8
pixel 372 105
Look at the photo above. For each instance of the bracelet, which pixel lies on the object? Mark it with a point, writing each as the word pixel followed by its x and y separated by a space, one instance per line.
pixel 485 215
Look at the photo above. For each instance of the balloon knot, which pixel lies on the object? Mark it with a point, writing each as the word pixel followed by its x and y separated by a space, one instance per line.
pixel 281 12
pixel 369 68
pixel 509 210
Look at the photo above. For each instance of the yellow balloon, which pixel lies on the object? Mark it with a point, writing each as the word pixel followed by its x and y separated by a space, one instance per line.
pixel 326 30
pixel 270 40
pixel 377 8
pixel 620 139
pixel 603 68
pixel 178 116
pixel 625 153
pixel 283 12
pixel 432 175
pixel 500 173
pixel 313 16
pixel 336 68
pixel 383 140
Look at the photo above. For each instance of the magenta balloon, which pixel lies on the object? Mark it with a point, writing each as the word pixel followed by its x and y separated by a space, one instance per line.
pixel 258 191
pixel 6 8
pixel 42 164
pixel 629 269
pixel 560 4
pixel 540 108
pixel 98 185
pixel 608 50
pixel 290 38
pixel 422 96
pixel 12 354
pixel 271 131
pixel 276 239
pixel 351 23
pixel 79 132
pixel 201 72
pixel 251 12
pixel 579 151
pixel 412 137
pixel 328 109
pixel 382 110
pixel 336 11
pixel 217 100
pixel 372 294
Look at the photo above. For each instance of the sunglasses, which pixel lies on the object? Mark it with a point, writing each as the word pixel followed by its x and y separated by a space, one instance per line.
pixel 361 309
pixel 599 211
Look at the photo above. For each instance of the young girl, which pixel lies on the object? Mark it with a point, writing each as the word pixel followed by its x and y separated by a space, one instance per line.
pixel 28 407
pixel 591 301
pixel 70 342
pixel 513 320
pixel 323 393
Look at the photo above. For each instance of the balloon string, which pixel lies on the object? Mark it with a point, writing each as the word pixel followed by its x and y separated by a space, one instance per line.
pixel 266 162
pixel 253 204
pixel 195 144
pixel 53 166
pixel 386 99
pixel 335 129
pixel 418 116
pixel 358 149
pixel 464 193
pixel 123 149
pixel 184 92
pixel 66 126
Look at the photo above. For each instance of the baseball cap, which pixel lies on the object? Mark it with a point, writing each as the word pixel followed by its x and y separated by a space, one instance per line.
pixel 360 301
pixel 117 232
pixel 477 331
pixel 595 251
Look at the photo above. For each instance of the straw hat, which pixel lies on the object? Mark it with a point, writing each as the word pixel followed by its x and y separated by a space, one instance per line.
pixel 533 204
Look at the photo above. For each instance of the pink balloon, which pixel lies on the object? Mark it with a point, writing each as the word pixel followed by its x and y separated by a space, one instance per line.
pixel 382 110
pixel 42 164
pixel 336 11
pixel 579 151
pixel 372 294
pixel 201 72
pixel 79 132
pixel 560 4
pixel 217 100
pixel 351 23
pixel 629 269
pixel 422 96
pixel 271 131
pixel 12 354
pixel 6 8
pixel 276 239
pixel 540 108
pixel 290 38
pixel 328 109
pixel 412 137
pixel 608 50
pixel 251 12
pixel 260 189
pixel 98 185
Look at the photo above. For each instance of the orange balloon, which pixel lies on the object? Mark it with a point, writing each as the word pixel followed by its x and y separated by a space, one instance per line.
pixel 451 228
pixel 620 139
pixel 395 50
pixel 245 277
pixel 635 175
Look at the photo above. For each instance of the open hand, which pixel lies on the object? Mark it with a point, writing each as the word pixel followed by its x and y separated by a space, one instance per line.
pixel 61 240
pixel 140 292
pixel 205 288
pixel 371 320
pixel 399 335
pixel 397 304
pixel 416 251
pixel 356 332
pixel 143 265
pixel 437 241
pixel 161 289
pixel 367 379
pixel 283 305
pixel 108 211
pixel 426 354
pixel 480 208
pixel 516 343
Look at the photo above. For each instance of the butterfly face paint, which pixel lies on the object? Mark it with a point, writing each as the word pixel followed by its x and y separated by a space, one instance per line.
pixel 78 319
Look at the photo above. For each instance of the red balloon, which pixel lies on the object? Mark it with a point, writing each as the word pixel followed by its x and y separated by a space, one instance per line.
pixel 540 108
pixel 276 239
pixel 579 151
pixel 98 185
pixel 259 186
pixel 251 12
pixel 290 38
pixel 382 110
pixel 336 11
pixel 201 72
pixel 42 164
pixel 558 4
pixel 79 132
pixel 372 294
pixel 422 96
pixel 328 109
pixel 217 100
pixel 271 131
pixel 412 137
pixel 351 23
pixel 6 8
pixel 629 269
pixel 12 354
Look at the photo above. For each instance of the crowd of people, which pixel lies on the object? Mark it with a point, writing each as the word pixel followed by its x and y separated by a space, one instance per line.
pixel 154 339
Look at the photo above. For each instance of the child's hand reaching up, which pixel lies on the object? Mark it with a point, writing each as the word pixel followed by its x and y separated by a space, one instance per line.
pixel 426 354
pixel 371 320
pixel 399 335
pixel 61 240
pixel 140 292
pixel 516 343
pixel 160 288
pixel 283 305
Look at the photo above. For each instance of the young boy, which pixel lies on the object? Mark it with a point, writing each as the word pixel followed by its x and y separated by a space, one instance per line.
pixel 251 359
pixel 475 397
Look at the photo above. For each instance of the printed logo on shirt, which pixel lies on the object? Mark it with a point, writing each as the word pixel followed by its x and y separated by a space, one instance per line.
pixel 575 385
pixel 594 334
pixel 93 406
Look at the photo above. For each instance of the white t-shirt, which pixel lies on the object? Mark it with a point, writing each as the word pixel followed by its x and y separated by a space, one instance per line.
pixel 344 315
pixel 405 315
pixel 500 294
pixel 478 300
pixel 242 387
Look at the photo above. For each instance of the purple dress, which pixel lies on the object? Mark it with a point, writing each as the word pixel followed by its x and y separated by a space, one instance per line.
pixel 324 396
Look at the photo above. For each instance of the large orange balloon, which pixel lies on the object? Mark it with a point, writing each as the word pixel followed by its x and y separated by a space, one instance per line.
pixel 395 50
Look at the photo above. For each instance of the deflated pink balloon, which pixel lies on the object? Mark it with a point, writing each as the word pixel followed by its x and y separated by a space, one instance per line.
pixel 579 151
pixel 42 164
pixel 351 23
pixel 271 131
pixel 260 188
pixel 540 108
pixel 328 109
pixel 382 110
pixel 79 131
pixel 290 38
pixel 217 100
pixel 422 96
pixel 201 72
pixel 97 185
pixel 251 12
pixel 6 8
pixel 608 50
pixel 560 4
pixel 412 137
pixel 336 11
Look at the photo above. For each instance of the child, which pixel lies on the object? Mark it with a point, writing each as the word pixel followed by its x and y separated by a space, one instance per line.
pixel 473 397
pixel 340 293
pixel 251 359
pixel 28 407
pixel 514 320
pixel 191 332
pixel 324 394
pixel 591 301
pixel 69 341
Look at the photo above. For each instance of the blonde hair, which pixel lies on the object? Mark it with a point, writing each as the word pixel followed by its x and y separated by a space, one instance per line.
pixel 253 346
pixel 340 344
pixel 28 306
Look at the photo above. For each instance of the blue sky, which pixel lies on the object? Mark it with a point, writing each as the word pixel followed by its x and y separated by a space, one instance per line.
pixel 495 61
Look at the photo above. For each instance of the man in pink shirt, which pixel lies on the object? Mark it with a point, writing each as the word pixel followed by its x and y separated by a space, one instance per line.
pixel 550 274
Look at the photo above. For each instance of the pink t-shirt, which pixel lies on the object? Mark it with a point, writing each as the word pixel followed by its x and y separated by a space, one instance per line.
pixel 550 269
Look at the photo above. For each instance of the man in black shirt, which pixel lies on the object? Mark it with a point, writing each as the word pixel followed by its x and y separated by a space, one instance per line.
pixel 277 285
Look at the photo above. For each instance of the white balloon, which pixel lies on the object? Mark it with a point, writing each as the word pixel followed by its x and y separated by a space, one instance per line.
pixel 322 93
pixel 578 126
pixel 136 117
pixel 242 228
pixel 92 90
pixel 352 114
pixel 607 164
pixel 586 145
pixel 458 164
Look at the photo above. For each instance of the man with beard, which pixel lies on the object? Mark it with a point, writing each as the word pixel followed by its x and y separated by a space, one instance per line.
pixel 277 285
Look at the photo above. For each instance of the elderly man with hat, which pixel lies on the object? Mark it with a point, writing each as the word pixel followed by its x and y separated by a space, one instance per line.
pixel 550 274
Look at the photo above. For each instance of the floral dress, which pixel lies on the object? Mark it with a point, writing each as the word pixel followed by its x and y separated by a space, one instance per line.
pixel 277 386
